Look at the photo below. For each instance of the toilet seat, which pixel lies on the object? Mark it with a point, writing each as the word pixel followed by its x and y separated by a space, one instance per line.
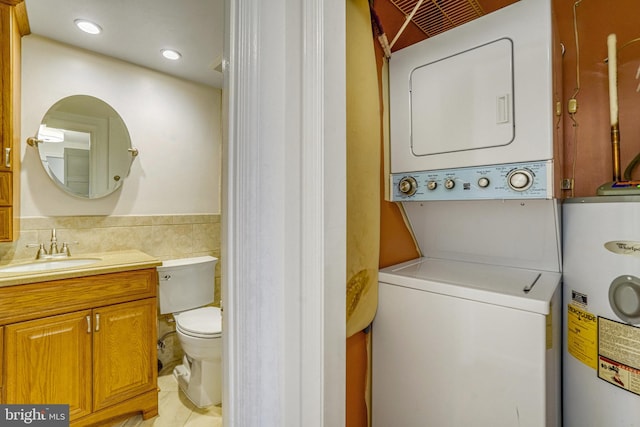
pixel 204 322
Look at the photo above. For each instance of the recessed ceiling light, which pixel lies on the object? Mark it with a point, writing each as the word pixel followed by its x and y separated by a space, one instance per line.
pixel 174 55
pixel 88 26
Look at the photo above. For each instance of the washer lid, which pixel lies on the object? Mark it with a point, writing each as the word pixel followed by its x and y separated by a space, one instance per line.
pixel 201 322
pixel 522 289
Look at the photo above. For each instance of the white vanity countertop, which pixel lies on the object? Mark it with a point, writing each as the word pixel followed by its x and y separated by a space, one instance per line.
pixel 107 262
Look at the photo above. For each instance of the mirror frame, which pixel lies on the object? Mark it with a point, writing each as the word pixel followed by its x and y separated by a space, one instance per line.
pixel 70 125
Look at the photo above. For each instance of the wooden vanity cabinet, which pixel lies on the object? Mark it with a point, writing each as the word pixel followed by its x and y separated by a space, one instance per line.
pixel 99 357
pixel 49 360
pixel 13 25
pixel 124 358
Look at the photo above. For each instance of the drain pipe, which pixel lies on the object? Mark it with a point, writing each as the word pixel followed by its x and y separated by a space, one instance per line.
pixel 161 344
pixel 613 105
pixel 161 347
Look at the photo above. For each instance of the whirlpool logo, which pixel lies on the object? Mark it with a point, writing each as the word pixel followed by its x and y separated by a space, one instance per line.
pixel 623 247
pixel 34 415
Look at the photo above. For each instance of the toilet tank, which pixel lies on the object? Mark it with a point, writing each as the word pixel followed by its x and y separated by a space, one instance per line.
pixel 186 283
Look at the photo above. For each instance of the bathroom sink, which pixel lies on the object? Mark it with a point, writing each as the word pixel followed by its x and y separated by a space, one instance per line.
pixel 49 264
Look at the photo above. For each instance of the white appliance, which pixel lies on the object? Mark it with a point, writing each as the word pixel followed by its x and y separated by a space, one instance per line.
pixel 601 292
pixel 470 335
pixel 473 110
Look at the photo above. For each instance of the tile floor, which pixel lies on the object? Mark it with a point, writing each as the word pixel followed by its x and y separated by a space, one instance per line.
pixel 176 410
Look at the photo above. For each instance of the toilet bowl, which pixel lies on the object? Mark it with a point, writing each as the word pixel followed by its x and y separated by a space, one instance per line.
pixel 186 286
pixel 200 375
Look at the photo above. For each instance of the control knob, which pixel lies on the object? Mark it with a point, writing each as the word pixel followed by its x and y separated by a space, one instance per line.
pixel 520 179
pixel 483 182
pixel 432 185
pixel 408 186
pixel 449 184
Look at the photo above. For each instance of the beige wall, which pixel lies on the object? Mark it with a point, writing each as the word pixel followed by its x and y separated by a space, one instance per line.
pixel 162 236
pixel 175 124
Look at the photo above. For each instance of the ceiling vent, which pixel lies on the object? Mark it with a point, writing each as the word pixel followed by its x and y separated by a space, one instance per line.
pixel 437 16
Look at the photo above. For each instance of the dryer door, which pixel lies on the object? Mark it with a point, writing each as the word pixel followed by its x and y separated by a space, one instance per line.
pixel 463 102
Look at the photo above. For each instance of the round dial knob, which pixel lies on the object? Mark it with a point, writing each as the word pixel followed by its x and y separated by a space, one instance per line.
pixel 408 186
pixel 627 296
pixel 624 298
pixel 432 185
pixel 520 179
pixel 449 184
pixel 483 182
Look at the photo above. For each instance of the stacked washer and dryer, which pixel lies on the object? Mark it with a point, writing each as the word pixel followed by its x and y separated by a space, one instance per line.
pixel 469 334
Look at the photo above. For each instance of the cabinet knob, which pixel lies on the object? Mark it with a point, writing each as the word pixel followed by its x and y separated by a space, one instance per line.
pixel 88 324
pixel 7 157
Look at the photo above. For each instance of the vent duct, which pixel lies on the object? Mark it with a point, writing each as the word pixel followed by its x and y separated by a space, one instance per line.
pixel 437 16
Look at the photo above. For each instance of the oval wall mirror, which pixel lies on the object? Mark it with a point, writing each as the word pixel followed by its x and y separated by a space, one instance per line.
pixel 84 146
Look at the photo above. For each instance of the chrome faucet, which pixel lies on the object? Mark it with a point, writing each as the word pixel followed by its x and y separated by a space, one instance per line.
pixel 42 252
pixel 53 249
pixel 53 252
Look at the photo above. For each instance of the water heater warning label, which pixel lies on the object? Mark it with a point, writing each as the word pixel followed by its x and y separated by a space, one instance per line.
pixel 619 354
pixel 582 335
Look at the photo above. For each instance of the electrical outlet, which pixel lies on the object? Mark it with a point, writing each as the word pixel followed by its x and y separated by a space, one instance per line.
pixel 567 184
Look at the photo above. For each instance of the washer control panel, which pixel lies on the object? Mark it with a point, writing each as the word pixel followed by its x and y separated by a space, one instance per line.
pixel 531 180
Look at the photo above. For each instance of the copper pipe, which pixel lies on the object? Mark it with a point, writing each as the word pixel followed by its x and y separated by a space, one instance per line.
pixel 615 142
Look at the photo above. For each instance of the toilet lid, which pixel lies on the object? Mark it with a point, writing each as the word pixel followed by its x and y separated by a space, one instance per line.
pixel 202 322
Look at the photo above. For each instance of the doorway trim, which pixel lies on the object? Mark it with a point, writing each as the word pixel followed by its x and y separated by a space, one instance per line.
pixel 284 213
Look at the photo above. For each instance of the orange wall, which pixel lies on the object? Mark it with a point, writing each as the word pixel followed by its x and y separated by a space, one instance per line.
pixel 592 141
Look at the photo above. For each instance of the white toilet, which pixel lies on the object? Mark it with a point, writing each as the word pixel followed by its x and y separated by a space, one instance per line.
pixel 186 286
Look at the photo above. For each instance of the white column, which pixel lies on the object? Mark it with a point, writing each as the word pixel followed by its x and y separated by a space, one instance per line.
pixel 283 249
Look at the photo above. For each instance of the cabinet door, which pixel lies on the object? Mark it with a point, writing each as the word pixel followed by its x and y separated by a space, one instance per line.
pixel 48 361
pixel 6 90
pixel 6 188
pixel 13 22
pixel 1 364
pixel 124 346
pixel 6 223
pixel 10 51
pixel 6 211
